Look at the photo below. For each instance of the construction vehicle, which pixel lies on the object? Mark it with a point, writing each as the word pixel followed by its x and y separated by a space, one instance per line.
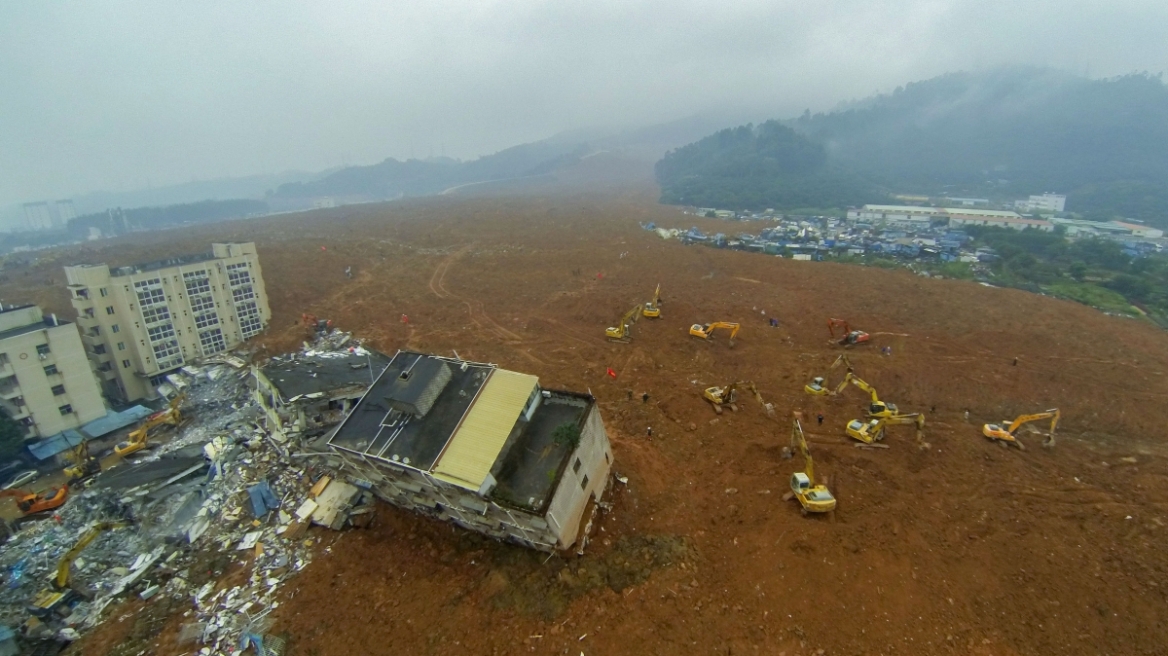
pixel 873 430
pixel 876 408
pixel 818 385
pixel 139 438
pixel 54 599
pixel 31 503
pixel 722 396
pixel 652 309
pixel 1008 433
pixel 706 331
pixel 84 465
pixel 813 497
pixel 849 337
pixel 623 330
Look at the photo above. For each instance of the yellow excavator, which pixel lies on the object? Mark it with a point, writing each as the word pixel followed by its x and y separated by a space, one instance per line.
pixel 876 408
pixel 1008 433
pixel 722 396
pixel 138 439
pixel 706 331
pixel 813 497
pixel 84 465
pixel 873 429
pixel 652 309
pixel 53 599
pixel 818 385
pixel 622 332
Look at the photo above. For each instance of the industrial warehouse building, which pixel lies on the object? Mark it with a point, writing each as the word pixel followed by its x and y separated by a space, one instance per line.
pixel 144 321
pixel 479 446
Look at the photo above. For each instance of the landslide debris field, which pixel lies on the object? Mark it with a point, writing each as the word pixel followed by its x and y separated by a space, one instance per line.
pixel 967 547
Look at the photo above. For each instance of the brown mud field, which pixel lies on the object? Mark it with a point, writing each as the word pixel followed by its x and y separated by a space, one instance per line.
pixel 966 547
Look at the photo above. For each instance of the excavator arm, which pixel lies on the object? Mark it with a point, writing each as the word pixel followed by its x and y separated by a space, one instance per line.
pixel 652 309
pixel 66 562
pixel 622 330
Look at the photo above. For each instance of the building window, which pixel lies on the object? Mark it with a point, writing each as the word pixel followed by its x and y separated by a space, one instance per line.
pixel 115 328
pixel 576 467
pixel 121 346
pixel 125 364
pixel 201 303
pixel 157 333
pixel 99 349
pixel 58 390
pixel 212 341
pixel 155 314
pixel 66 409
pixel 43 351
pixel 51 369
pixel 109 309
pixel 148 297
pixel 584 482
pixel 206 319
pixel 3 358
pixel 104 292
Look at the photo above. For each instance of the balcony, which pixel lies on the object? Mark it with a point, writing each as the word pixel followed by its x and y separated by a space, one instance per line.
pixel 9 391
pixel 91 340
pixel 14 412
pixel 6 370
pixel 86 323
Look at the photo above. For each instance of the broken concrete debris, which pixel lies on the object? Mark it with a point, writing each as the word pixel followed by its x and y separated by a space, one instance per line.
pixel 219 494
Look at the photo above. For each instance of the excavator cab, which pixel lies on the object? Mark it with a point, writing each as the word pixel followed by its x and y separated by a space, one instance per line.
pixel 817 387
pixel 722 396
pixel 867 432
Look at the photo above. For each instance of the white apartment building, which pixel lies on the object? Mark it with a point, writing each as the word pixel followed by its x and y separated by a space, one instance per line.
pixel 1047 202
pixel 140 323
pixel 46 384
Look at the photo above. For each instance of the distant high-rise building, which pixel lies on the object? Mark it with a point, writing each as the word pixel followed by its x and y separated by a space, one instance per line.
pixel 49 215
pixel 1047 202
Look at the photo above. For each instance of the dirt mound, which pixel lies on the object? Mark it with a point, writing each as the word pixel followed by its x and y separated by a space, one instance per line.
pixel 964 548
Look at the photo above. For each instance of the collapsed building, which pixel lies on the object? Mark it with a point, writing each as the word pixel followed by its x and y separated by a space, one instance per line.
pixel 482 447
pixel 306 392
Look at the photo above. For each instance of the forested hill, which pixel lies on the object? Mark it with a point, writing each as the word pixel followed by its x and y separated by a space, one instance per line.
pixel 755 167
pixel 1003 133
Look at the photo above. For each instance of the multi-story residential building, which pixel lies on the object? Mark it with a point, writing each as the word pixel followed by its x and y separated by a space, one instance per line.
pixel 46 384
pixel 1047 202
pixel 142 322
pixel 485 448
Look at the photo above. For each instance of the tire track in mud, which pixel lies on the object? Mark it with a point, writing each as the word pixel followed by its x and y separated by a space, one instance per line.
pixel 475 309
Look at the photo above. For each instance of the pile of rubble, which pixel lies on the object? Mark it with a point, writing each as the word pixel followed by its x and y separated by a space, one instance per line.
pixel 221 492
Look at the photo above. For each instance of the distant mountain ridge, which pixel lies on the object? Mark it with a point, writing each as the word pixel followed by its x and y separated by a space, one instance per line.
pixel 1003 133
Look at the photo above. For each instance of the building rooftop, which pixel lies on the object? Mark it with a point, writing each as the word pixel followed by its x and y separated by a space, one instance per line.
pixel 374 429
pixel 973 211
pixel 531 463
pixel 32 328
pixel 312 373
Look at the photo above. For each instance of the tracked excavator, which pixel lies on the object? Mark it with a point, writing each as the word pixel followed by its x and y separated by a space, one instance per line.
pixel 873 430
pixel 876 408
pixel 706 331
pixel 622 332
pixel 139 438
pixel 84 465
pixel 818 385
pixel 813 497
pixel 849 337
pixel 31 503
pixel 652 309
pixel 722 396
pixel 1007 434
pixel 54 599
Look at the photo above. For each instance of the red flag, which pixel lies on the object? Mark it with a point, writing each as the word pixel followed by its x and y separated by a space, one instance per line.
pixel 323 248
pixel 611 372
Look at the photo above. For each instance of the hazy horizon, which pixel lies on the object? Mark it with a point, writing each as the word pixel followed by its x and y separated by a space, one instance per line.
pixel 115 96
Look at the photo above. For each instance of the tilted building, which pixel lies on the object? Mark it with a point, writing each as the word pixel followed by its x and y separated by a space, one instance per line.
pixel 46 384
pixel 479 446
pixel 306 392
pixel 141 322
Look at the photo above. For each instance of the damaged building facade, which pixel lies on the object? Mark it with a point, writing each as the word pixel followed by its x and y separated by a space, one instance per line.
pixel 144 321
pixel 305 392
pixel 482 447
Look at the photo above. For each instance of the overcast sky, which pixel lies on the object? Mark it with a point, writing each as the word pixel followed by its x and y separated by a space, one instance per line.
pixel 119 95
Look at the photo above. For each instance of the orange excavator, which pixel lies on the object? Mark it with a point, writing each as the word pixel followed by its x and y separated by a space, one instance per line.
pixel 31 503
pixel 850 337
